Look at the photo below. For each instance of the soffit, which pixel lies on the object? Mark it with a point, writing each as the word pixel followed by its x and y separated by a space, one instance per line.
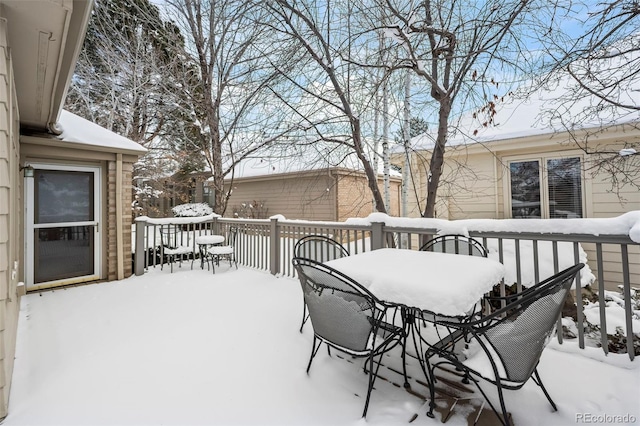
pixel 44 38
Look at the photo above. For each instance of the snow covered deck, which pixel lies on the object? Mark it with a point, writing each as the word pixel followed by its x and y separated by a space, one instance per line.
pixel 192 348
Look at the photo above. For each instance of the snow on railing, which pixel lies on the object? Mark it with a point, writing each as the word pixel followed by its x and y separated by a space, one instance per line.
pixel 530 249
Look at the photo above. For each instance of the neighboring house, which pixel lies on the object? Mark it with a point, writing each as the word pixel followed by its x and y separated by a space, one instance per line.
pixel 517 170
pixel 65 183
pixel 537 175
pixel 328 194
pixel 331 194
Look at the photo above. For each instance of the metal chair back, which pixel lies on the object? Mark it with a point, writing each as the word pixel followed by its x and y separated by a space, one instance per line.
pixel 319 248
pixel 455 244
pixel 504 347
pixel 346 316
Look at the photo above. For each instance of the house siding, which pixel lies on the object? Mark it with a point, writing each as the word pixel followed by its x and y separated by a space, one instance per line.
pixel 327 195
pixel 112 231
pixel 10 220
pixel 355 199
pixel 469 187
pixel 40 152
pixel 475 186
pixel 298 197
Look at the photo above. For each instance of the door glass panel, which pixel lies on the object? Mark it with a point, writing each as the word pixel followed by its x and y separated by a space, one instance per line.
pixel 565 188
pixel 63 252
pixel 63 196
pixel 525 189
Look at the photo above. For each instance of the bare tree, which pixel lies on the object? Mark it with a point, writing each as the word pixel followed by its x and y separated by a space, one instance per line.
pixel 599 69
pixel 457 49
pixel 124 81
pixel 332 95
pixel 229 89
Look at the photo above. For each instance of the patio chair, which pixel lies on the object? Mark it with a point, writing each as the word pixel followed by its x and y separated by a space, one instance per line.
pixel 455 244
pixel 225 252
pixel 504 348
pixel 175 245
pixel 346 316
pixel 320 249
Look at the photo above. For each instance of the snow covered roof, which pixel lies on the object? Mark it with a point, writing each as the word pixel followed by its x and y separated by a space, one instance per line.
pixel 542 112
pixel 303 162
pixel 77 130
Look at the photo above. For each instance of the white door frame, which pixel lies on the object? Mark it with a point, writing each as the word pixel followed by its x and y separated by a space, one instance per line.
pixel 30 227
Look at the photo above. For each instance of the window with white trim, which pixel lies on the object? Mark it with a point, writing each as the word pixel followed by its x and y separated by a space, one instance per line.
pixel 546 188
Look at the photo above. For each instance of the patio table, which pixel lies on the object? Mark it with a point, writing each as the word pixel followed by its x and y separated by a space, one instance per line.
pixel 443 283
pixel 204 242
pixel 423 282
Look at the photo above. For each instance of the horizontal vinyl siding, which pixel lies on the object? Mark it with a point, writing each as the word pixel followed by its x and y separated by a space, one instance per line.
pixel 10 221
pixel 356 200
pixel 310 198
pixel 607 201
pixel 469 185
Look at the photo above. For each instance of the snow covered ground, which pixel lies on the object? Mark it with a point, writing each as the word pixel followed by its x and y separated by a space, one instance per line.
pixel 193 348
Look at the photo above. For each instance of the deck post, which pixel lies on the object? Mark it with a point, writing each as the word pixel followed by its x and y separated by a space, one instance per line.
pixel 377 235
pixel 274 246
pixel 140 256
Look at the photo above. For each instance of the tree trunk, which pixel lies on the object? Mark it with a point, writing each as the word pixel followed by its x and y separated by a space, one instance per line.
pixel 437 159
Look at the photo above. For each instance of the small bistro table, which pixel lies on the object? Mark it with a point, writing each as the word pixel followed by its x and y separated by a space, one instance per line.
pixel 204 242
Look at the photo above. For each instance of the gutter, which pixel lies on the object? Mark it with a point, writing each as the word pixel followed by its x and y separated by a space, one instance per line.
pixel 76 24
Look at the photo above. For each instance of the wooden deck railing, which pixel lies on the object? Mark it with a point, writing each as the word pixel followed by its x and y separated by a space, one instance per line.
pixel 613 260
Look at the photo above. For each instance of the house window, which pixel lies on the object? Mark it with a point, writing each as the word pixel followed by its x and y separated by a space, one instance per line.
pixel 546 188
pixel 208 194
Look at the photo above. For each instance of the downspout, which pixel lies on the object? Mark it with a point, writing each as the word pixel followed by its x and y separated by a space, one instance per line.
pixel 334 178
pixel 119 224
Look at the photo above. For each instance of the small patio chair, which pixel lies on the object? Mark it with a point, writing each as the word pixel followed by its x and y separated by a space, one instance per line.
pixel 175 245
pixel 321 249
pixel 504 347
pixel 226 251
pixel 346 316
pixel 455 244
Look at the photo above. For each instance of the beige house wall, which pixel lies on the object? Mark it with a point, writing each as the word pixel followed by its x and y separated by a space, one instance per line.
pixel 116 254
pixel 309 197
pixel 327 195
pixel 355 199
pixel 113 230
pixel 476 185
pixel 10 220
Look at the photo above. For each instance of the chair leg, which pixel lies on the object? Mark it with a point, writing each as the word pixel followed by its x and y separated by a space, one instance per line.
pixel 314 351
pixel 432 388
pixel 505 415
pixel 538 381
pixel 304 315
pixel 504 419
pixel 373 375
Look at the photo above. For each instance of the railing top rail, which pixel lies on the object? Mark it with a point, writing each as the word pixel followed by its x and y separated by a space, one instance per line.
pixel 319 224
pixel 545 236
pixel 247 221
pixel 175 220
pixel 299 223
